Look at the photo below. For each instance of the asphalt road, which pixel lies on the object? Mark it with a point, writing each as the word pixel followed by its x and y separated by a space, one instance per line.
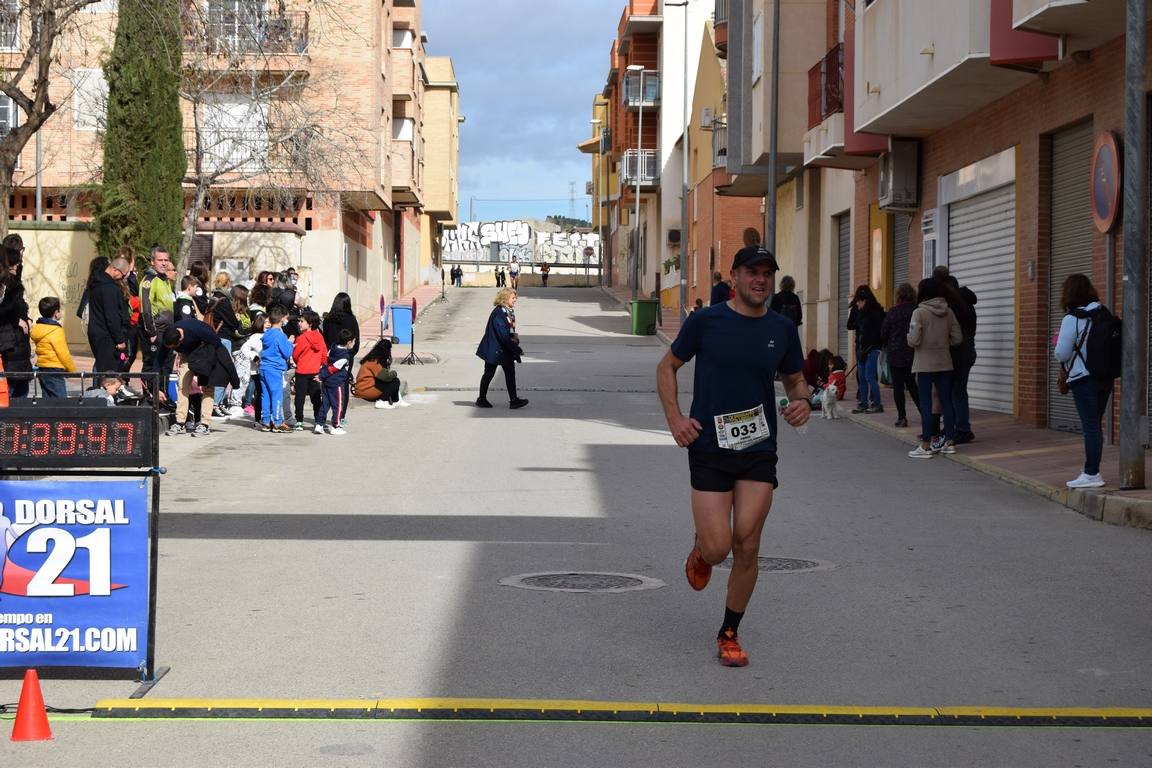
pixel 369 566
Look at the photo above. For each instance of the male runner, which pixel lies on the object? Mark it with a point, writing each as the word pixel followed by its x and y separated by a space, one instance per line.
pixel 730 432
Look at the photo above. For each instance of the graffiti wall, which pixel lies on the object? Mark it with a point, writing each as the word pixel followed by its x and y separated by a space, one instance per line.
pixel 529 242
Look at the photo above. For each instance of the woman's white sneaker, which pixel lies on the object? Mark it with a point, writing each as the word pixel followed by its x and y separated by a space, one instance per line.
pixel 1086 481
pixel 402 403
pixel 384 404
pixel 920 453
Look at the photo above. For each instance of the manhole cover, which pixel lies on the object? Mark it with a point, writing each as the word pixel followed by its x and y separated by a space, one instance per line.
pixel 582 582
pixel 783 564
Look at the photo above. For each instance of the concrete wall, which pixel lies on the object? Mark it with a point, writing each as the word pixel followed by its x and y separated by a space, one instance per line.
pixel 56 264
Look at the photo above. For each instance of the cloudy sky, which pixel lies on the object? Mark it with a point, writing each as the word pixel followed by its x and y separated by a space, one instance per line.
pixel 528 72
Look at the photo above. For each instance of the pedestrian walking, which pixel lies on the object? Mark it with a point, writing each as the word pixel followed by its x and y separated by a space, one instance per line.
pixel 514 273
pixel 932 332
pixel 1082 304
pixel 545 268
pixel 786 302
pixel 730 432
pixel 500 348
pixel 894 336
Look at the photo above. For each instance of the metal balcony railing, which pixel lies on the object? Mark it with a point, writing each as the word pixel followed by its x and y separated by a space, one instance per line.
pixel 826 87
pixel 720 14
pixel 646 163
pixel 719 144
pixel 247 31
pixel 229 150
pixel 631 96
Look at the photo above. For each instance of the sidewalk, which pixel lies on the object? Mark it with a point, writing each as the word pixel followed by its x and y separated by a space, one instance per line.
pixel 668 326
pixel 1039 460
pixel 425 296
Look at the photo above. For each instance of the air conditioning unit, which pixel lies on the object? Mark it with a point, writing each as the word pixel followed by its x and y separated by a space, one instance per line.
pixel 706 118
pixel 900 176
pixel 673 237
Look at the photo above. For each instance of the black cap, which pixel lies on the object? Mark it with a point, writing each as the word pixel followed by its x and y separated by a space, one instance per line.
pixel 755 254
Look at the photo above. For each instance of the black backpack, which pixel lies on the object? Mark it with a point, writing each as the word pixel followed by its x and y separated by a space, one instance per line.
pixel 1104 343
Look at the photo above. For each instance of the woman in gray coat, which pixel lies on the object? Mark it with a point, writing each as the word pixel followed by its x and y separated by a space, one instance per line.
pixel 932 333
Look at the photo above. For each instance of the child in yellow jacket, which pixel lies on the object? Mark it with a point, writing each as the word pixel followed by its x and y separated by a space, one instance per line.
pixel 52 355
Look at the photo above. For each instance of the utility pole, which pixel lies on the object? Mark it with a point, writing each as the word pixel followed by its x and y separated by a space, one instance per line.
pixel 1134 374
pixel 571 200
pixel 774 138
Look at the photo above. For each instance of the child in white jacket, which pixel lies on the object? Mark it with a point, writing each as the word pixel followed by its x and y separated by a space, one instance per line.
pixel 247 361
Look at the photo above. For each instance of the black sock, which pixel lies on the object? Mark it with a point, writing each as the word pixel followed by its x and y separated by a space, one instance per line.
pixel 731 621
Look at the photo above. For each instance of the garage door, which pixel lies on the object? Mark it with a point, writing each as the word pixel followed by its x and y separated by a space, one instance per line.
pixel 844 280
pixel 982 256
pixel 901 223
pixel 1071 246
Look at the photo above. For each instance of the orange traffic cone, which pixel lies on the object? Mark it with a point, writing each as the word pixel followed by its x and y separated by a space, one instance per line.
pixel 31 718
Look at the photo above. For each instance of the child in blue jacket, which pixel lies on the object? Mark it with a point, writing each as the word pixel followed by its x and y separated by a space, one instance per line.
pixel 275 357
pixel 333 376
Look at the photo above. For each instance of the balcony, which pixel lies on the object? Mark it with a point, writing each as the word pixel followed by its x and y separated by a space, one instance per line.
pixel 639 17
pixel 720 27
pixel 235 151
pixel 246 32
pixel 911 80
pixel 1085 25
pixel 631 95
pixel 646 163
pixel 720 144
pixel 826 87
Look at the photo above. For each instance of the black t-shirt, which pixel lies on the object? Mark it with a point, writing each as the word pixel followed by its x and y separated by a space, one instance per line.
pixel 737 358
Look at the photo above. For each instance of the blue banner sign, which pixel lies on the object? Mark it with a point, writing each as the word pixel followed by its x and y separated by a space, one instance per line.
pixel 74 574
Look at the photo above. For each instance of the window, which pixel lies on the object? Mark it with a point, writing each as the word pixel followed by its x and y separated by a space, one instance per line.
pixel 10 25
pixel 235 133
pixel 757 47
pixel 8 115
pixel 403 38
pixel 89 99
pixel 403 128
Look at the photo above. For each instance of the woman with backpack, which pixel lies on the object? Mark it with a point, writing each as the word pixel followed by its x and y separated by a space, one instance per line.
pixel 1091 393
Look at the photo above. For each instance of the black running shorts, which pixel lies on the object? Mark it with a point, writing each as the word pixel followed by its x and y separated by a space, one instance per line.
pixel 718 472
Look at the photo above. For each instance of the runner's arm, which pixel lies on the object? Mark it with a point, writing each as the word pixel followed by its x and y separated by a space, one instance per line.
pixel 684 430
pixel 800 408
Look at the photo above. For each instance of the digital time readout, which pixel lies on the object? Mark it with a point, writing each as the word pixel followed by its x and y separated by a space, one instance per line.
pixel 121 437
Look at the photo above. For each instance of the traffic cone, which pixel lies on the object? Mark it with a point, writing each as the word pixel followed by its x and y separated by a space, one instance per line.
pixel 31 717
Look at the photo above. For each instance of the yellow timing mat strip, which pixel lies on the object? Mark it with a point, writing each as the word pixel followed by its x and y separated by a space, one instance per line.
pixel 564 710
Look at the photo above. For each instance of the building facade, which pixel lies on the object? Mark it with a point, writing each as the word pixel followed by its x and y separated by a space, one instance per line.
pixel 310 127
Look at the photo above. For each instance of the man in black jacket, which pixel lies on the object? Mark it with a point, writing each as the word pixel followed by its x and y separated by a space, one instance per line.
pixel 109 317
pixel 185 338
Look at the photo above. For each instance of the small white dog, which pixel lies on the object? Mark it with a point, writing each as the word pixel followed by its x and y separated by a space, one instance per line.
pixel 829 404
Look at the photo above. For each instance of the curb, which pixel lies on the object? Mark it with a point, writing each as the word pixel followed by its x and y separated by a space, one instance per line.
pixel 1106 507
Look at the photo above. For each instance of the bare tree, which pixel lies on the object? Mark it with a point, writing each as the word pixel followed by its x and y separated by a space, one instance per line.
pixel 36 29
pixel 254 115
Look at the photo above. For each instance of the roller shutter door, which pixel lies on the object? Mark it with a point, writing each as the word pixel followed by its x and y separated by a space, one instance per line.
pixel 982 256
pixel 1071 246
pixel 844 280
pixel 900 225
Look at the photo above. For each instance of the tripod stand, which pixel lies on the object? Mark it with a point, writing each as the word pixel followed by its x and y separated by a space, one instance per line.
pixel 411 358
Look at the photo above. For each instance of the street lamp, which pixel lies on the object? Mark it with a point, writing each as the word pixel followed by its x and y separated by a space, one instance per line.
pixel 602 211
pixel 636 169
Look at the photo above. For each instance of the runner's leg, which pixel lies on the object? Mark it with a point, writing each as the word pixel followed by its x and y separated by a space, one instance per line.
pixel 712 513
pixel 751 504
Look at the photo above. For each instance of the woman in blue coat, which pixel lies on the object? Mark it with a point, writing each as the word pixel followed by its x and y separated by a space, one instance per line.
pixel 500 348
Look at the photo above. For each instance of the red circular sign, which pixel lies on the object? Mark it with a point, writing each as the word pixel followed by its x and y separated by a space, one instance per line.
pixel 1105 182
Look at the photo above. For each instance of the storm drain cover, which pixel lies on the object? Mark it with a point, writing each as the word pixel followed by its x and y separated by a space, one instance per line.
pixel 783 564
pixel 577 581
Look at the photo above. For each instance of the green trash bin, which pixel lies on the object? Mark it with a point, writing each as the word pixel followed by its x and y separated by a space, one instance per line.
pixel 643 313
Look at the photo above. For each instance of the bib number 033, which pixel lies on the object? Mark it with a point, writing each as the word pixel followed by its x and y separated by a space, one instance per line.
pixel 739 430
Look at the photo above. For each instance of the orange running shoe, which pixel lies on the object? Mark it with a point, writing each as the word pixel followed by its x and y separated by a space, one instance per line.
pixel 697 570
pixel 729 650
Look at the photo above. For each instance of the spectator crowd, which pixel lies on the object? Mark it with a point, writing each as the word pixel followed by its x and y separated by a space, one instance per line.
pixel 218 349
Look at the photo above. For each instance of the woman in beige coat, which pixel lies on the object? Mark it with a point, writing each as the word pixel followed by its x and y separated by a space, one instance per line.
pixel 934 330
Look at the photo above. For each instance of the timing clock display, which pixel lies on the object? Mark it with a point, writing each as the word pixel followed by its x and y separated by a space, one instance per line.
pixel 64 437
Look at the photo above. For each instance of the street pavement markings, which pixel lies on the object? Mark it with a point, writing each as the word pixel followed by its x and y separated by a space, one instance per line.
pixel 562 710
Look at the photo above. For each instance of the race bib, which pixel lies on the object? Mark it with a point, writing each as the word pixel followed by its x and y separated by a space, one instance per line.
pixel 736 431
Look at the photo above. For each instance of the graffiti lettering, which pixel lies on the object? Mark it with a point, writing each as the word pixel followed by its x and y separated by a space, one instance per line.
pixel 491 241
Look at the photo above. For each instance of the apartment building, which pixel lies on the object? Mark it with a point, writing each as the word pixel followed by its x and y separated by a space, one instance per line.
pixel 442 163
pixel 989 114
pixel 813 199
pixel 315 122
